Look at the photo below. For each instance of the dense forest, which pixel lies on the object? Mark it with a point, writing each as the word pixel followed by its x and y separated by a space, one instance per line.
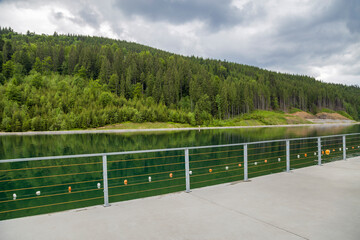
pixel 68 81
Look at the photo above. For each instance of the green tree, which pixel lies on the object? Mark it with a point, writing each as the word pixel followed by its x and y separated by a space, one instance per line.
pixel 114 84
pixel 2 79
pixel 38 65
pixel 204 104
pixel 8 69
pixel 137 92
pixel 14 93
pixel 7 51
pixel 105 71
pixel 218 104
pixel 274 103
pixel 105 99
pixel 47 65
pixel 36 80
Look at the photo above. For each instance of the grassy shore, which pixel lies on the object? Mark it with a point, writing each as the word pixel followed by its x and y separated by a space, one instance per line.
pixel 256 118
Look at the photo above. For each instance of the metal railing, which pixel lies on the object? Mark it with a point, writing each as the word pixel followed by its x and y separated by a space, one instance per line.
pixel 157 171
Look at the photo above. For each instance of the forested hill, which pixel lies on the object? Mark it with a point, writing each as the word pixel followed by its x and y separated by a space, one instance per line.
pixel 69 81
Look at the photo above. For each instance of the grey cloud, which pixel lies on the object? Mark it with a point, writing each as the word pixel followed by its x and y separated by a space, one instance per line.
pixel 347 11
pixel 214 13
pixel 325 37
pixel 85 16
pixel 89 16
pixel 84 11
pixel 317 36
pixel 58 15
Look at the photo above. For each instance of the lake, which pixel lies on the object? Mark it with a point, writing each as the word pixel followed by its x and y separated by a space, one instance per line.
pixel 16 146
pixel 72 183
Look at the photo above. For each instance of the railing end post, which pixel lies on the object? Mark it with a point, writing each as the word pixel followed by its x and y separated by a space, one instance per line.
pixel 187 171
pixel 105 179
pixel 344 147
pixel 287 155
pixel 319 151
pixel 246 163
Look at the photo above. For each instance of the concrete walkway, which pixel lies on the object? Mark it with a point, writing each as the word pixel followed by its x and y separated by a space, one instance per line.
pixel 319 202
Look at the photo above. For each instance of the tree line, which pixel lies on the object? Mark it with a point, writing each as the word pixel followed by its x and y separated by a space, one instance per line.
pixel 70 81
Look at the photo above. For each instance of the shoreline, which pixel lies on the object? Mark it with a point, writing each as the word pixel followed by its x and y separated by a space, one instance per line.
pixel 165 129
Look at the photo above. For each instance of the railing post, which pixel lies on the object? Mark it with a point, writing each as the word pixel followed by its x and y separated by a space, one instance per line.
pixel 187 170
pixel 105 179
pixel 319 151
pixel 344 147
pixel 287 155
pixel 245 162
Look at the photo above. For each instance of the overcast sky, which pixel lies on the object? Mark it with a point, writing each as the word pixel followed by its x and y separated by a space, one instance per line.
pixel 319 38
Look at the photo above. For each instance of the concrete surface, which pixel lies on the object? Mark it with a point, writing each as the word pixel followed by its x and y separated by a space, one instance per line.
pixel 319 202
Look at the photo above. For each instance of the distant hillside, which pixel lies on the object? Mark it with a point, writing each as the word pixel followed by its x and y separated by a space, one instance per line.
pixel 69 81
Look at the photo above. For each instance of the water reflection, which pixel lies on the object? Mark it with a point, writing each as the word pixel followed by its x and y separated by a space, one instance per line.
pixel 50 145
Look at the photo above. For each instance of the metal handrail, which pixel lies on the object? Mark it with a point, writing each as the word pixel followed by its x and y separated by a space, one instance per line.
pixel 186 161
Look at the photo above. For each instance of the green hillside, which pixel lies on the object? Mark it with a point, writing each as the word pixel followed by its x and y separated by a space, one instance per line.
pixel 63 82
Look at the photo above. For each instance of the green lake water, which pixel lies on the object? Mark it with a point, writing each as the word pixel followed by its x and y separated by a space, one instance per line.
pixel 147 174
